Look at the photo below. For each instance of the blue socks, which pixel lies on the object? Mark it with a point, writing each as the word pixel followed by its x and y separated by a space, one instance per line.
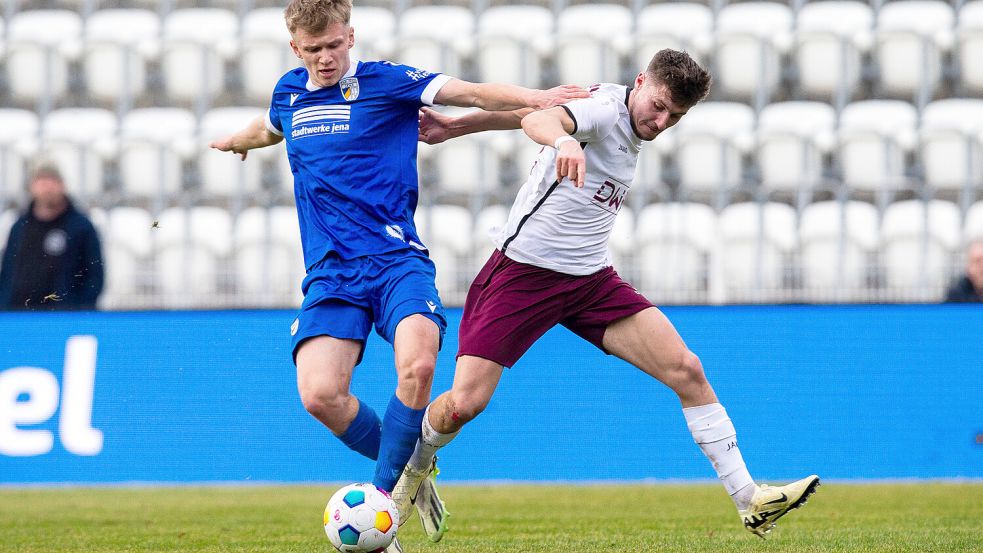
pixel 400 431
pixel 364 432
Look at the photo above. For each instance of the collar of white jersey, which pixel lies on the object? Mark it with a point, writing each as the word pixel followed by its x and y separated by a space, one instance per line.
pixel 311 87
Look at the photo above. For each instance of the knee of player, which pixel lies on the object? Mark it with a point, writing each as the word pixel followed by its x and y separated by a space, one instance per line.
pixel 323 402
pixel 418 370
pixel 690 367
pixel 467 406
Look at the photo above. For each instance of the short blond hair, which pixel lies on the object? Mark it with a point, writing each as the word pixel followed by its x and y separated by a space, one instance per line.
pixel 314 16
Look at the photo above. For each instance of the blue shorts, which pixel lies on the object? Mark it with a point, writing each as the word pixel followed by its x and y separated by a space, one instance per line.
pixel 344 297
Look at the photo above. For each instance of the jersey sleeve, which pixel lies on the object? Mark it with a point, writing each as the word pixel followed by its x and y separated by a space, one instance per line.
pixel 273 120
pixel 593 118
pixel 409 84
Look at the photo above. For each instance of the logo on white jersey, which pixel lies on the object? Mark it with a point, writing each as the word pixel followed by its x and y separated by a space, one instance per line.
pixel 432 306
pixel 293 98
pixel 349 88
pixel 610 195
pixel 318 120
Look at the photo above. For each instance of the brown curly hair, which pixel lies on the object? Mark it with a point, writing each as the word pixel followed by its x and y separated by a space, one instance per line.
pixel 688 82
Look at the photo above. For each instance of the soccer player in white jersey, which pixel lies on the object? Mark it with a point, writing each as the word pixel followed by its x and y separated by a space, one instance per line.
pixel 351 133
pixel 552 267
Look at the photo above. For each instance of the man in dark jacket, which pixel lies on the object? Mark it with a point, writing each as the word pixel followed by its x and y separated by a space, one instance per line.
pixel 53 259
pixel 969 287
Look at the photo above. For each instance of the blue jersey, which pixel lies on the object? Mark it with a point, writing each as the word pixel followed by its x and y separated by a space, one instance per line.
pixel 352 150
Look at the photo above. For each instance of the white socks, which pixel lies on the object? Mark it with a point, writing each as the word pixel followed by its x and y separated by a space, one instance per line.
pixel 715 434
pixel 428 444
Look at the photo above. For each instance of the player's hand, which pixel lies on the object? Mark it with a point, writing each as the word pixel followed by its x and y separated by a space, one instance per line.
pixel 571 163
pixel 226 145
pixel 558 95
pixel 434 126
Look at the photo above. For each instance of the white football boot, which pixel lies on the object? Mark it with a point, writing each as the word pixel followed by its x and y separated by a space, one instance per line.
pixel 420 488
pixel 768 504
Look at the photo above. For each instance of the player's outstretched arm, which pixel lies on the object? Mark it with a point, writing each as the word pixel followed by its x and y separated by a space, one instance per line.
pixel 552 127
pixel 504 97
pixel 436 127
pixel 256 135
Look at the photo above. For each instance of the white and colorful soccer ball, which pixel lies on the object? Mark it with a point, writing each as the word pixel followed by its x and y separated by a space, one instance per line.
pixel 361 518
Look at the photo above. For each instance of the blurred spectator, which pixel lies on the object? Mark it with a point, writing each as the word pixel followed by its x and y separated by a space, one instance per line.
pixel 969 287
pixel 53 258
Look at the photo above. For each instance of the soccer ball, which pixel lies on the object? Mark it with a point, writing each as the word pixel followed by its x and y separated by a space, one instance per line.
pixel 361 518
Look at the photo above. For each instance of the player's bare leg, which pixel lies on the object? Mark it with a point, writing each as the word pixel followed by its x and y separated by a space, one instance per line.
pixel 475 380
pixel 649 341
pixel 324 376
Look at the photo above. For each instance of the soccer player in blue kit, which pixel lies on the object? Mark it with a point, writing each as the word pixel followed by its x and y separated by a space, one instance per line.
pixel 351 132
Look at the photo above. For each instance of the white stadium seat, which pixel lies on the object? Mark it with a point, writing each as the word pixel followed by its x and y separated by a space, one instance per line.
pixel 675 245
pixel 973 227
pixel 622 242
pixel 919 242
pixel 838 242
pixel 436 38
pixel 268 256
pixel 684 26
pixel 831 41
pixel 117 45
pixel 375 29
pixel 224 175
pixel 18 144
pixel 912 38
pixel 969 37
pixel 79 141
pixel 40 45
pixel 191 250
pixel 469 164
pixel 792 140
pixel 265 54
pixel 591 40
pixel 127 243
pixel 874 138
pixel 512 42
pixel 154 144
pixel 709 145
pixel 196 43
pixel 752 37
pixel 487 223
pixel 757 241
pixel 951 148
pixel 446 231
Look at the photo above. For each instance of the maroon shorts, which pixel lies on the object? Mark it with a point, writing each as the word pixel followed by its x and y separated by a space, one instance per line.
pixel 510 305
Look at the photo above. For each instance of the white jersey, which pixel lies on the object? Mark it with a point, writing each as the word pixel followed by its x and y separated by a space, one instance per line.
pixel 557 226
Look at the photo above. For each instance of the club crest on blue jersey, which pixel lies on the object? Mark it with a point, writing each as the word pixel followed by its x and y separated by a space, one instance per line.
pixel 349 88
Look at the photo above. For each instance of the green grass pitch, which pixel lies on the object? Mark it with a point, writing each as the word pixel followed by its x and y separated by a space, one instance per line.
pixel 889 518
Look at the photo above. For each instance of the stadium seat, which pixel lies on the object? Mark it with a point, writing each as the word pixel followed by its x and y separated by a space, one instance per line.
pixel 752 37
pixel 912 38
pixel 487 223
pixel 757 243
pixel 524 154
pixel 375 29
pixel 154 144
pixel 622 243
pixel 838 243
pixel 127 244
pixel 40 45
pixel 649 178
pixel 191 248
pixel 792 140
pixel 591 41
pixel 18 144
pixel 224 175
pixel 265 54
pixel 446 230
pixel 268 257
pixel 80 141
pixel 969 37
pixel 440 47
pixel 831 41
pixel 684 26
pixel 512 42
pixel 196 44
pixel 709 145
pixel 919 243
pixel 874 138
pixel 675 245
pixel 117 45
pixel 951 148
pixel 973 227
pixel 469 165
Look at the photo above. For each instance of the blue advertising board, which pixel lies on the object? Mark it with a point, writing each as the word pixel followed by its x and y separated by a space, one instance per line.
pixel 848 392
